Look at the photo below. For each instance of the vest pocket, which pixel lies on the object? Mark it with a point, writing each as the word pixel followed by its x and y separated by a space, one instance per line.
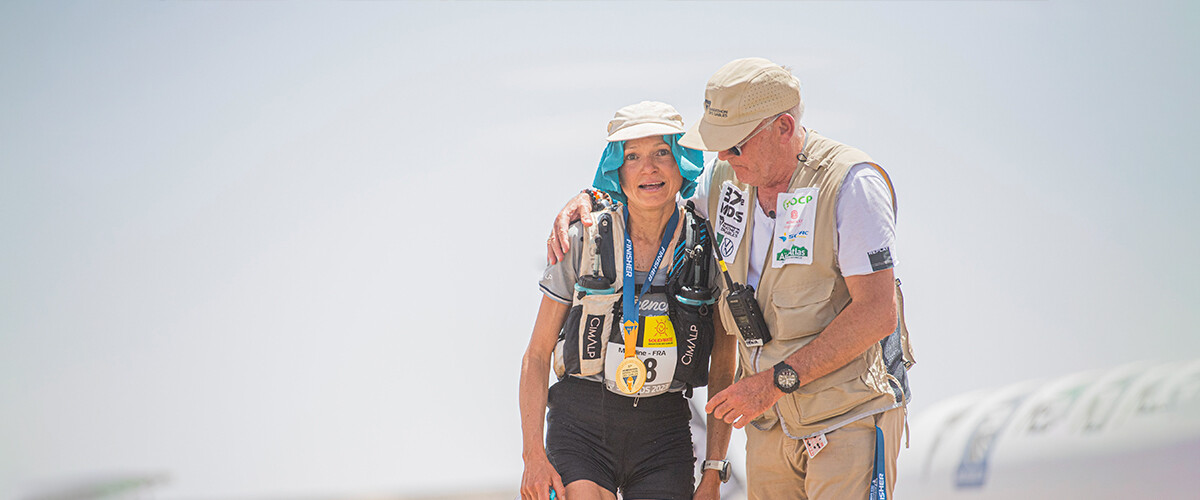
pixel 832 395
pixel 560 367
pixel 801 311
pixel 597 321
pixel 694 338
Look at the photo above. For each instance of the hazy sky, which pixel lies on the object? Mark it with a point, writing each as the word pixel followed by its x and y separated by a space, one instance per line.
pixel 273 249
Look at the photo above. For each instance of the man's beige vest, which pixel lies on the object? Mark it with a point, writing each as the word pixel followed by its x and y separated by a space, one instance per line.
pixel 799 300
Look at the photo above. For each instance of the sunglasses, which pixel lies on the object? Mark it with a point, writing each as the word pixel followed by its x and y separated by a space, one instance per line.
pixel 736 150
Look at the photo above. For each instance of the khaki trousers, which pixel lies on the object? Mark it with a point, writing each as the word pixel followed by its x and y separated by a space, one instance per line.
pixel 778 467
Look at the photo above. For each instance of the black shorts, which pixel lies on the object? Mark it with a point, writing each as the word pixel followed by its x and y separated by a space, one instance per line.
pixel 645 451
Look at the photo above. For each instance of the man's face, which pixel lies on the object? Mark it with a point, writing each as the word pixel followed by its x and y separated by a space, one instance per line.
pixel 753 165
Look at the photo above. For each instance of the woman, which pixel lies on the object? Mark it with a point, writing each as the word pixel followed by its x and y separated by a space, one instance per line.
pixel 626 356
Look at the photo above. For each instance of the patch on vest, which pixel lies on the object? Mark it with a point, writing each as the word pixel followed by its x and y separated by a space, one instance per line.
pixel 659 332
pixel 689 353
pixel 880 259
pixel 794 252
pixel 592 332
pixel 731 220
pixel 795 222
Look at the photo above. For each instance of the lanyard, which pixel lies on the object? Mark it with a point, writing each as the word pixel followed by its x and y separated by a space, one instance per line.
pixel 630 310
pixel 879 481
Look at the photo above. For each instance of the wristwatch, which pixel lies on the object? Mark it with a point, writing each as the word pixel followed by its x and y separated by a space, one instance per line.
pixel 721 466
pixel 786 379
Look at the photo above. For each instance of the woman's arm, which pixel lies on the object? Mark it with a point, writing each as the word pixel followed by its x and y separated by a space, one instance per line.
pixel 539 475
pixel 720 375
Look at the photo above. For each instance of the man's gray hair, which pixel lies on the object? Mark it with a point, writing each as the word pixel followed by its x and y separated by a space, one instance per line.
pixel 797 111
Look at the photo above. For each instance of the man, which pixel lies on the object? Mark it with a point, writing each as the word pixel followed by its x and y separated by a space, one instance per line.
pixel 810 224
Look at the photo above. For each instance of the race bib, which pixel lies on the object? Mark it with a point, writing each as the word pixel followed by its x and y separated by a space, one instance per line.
pixel 656 349
pixel 731 220
pixel 795 220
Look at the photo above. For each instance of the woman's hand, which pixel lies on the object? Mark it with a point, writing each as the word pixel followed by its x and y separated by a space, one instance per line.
pixel 538 478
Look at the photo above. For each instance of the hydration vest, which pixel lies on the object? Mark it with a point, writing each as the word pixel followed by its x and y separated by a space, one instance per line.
pixel 680 341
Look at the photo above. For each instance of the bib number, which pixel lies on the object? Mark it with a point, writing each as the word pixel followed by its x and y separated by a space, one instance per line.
pixel 658 353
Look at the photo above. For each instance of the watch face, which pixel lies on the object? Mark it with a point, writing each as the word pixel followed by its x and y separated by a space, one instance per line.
pixel 786 378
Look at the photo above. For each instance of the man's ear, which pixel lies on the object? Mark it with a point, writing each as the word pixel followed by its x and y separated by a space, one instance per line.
pixel 786 127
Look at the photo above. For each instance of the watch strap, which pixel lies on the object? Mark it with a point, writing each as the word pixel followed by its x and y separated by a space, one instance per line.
pixel 721 466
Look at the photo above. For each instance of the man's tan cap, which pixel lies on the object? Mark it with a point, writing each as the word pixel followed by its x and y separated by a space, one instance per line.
pixel 737 98
pixel 644 119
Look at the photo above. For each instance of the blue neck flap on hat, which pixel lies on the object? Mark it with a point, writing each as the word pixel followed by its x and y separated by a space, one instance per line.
pixel 690 161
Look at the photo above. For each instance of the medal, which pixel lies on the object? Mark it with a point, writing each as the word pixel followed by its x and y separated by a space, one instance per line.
pixel 631 375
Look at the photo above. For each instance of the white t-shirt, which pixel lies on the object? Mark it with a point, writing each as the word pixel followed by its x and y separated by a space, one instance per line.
pixel 866 224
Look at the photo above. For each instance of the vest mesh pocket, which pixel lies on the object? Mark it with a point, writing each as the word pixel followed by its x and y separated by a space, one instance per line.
pixel 694 331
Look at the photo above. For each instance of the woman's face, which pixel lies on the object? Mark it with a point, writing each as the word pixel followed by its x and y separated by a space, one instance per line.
pixel 650 177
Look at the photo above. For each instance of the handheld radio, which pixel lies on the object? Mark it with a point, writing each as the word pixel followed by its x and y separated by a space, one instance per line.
pixel 744 307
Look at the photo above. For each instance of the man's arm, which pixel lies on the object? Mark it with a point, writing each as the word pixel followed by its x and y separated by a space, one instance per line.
pixel 870 316
pixel 579 208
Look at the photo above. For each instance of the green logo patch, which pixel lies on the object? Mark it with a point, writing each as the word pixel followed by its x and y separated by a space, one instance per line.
pixel 792 253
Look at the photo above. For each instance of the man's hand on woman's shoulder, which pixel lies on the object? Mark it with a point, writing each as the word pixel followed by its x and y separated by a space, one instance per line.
pixel 558 244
